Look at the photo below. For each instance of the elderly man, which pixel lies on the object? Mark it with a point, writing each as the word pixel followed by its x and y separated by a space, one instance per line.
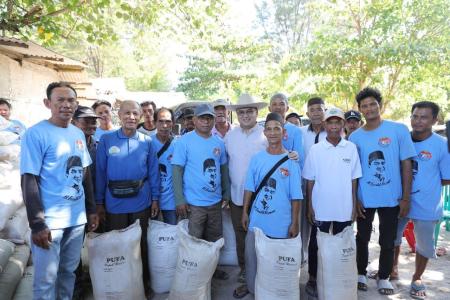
pixel 148 127
pixel 57 191
pixel 16 126
pixel 241 144
pixel 127 177
pixel 222 126
pixel 200 178
pixel 103 109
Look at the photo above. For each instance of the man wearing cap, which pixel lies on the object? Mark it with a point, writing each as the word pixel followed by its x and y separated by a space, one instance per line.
pixel 314 132
pixel 294 118
pixel 188 120
pixel 241 144
pixel 127 180
pixel 275 209
pixel 222 126
pixel 200 178
pixel 331 170
pixel 385 151
pixel 352 122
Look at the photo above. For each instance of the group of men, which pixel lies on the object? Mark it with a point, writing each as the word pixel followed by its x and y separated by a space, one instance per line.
pixel 115 176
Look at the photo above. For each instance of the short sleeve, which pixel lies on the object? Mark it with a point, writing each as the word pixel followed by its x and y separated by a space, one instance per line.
pixel 295 190
pixel 444 163
pixel 180 153
pixel 356 164
pixel 405 142
pixel 223 155
pixel 32 153
pixel 309 172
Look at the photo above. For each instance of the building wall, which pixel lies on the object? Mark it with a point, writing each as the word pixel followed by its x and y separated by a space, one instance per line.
pixel 25 84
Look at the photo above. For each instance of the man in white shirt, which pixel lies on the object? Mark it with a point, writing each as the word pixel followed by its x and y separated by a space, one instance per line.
pixel 314 132
pixel 222 126
pixel 331 170
pixel 241 144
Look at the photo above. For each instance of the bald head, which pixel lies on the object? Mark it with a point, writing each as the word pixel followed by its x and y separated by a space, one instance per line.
pixel 127 104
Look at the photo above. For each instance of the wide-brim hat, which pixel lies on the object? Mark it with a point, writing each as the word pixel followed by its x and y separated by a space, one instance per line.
pixel 245 100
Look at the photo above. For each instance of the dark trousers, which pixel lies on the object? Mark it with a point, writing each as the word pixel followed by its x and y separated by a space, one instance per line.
pixel 338 227
pixel 121 221
pixel 205 222
pixel 388 217
pixel 239 232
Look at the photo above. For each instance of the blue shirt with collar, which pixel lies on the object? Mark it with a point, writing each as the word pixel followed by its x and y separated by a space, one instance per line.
pixel 126 158
pixel 293 141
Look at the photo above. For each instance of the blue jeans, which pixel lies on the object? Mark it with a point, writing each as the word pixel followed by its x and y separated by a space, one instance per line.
pixel 169 217
pixel 54 276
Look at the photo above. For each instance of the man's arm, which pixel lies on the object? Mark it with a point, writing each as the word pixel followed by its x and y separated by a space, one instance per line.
pixel 295 209
pixel 180 200
pixel 225 182
pixel 309 189
pixel 406 187
pixel 89 199
pixel 354 201
pixel 246 209
pixel 445 182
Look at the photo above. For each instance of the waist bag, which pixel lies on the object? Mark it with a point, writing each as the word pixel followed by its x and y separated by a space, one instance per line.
pixel 125 188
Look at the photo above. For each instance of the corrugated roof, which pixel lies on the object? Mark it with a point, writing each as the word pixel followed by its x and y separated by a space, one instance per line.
pixel 32 51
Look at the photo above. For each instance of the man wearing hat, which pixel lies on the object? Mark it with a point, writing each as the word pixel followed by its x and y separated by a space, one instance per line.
pixel 275 209
pixel 241 144
pixel 352 122
pixel 200 178
pixel 222 126
pixel 294 118
pixel 331 170
pixel 188 122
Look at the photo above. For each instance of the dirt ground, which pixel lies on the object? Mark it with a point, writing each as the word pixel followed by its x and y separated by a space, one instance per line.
pixel 436 277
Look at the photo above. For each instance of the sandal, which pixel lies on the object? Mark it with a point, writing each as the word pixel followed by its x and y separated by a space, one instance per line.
pixel 311 288
pixel 362 283
pixel 385 287
pixel 240 291
pixel 241 276
pixel 441 251
pixel 220 275
pixel 418 290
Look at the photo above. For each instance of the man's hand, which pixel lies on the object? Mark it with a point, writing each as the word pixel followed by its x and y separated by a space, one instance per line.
pixel 101 213
pixel 354 215
pixel 225 203
pixel 93 221
pixel 244 220
pixel 42 238
pixel 293 155
pixel 182 210
pixel 360 211
pixel 311 216
pixel 293 230
pixel 154 210
pixel 404 208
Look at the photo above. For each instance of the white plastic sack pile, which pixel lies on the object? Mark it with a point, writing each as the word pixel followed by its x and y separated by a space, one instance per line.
pixel 278 267
pixel 16 227
pixel 337 275
pixel 24 290
pixel 11 276
pixel 10 153
pixel 115 264
pixel 7 138
pixel 162 242
pixel 228 255
pixel 10 202
pixel 196 263
pixel 6 250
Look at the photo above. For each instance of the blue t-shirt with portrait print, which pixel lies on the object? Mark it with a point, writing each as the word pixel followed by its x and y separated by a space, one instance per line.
pixel 271 210
pixel 57 155
pixel 293 141
pixel 201 158
pixel 381 151
pixel 430 166
pixel 167 197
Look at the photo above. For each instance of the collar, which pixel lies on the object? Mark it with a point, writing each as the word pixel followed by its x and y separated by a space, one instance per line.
pixel 310 128
pixel 342 143
pixel 251 130
pixel 121 135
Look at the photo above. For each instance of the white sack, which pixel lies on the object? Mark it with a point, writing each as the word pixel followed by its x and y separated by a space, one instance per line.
pixel 13 272
pixel 6 250
pixel 7 137
pixel 16 226
pixel 10 152
pixel 196 263
pixel 24 290
pixel 228 255
pixel 115 264
pixel 162 242
pixel 9 175
pixel 278 267
pixel 10 201
pixel 337 275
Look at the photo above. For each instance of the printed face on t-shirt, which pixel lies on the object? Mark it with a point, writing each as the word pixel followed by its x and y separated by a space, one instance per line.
pixel 210 174
pixel 377 165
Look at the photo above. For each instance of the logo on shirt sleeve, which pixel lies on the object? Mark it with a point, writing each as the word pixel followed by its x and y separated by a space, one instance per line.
pixel 384 141
pixel 284 172
pixel 425 155
pixel 79 144
pixel 216 151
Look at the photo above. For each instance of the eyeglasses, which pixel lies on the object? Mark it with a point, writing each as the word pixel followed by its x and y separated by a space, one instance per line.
pixel 247 112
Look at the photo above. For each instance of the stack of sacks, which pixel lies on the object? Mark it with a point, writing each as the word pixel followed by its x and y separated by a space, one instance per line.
pixel 13 261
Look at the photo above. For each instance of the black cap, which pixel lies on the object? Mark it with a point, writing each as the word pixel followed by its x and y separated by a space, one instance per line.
pixel 188 112
pixel 295 115
pixel 275 117
pixel 352 114
pixel 84 112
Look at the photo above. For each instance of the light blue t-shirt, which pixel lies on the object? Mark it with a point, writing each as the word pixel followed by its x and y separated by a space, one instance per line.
pixel 201 158
pixel 293 141
pixel 271 210
pixel 167 197
pixel 99 132
pixel 430 166
pixel 57 155
pixel 381 151
pixel 16 127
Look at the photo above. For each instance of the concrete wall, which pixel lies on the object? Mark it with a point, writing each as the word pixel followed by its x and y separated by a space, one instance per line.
pixel 25 84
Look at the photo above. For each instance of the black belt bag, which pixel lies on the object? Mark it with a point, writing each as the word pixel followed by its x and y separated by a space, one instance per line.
pixel 125 188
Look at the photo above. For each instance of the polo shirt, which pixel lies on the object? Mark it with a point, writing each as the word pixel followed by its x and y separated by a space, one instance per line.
pixel 332 168
pixel 241 145
pixel 293 141
pixel 309 138
pixel 120 157
pixel 142 129
pixel 217 133
pixel 99 132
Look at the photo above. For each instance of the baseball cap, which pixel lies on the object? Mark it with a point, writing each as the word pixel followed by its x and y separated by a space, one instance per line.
pixel 334 112
pixel 293 114
pixel 84 112
pixel 274 117
pixel 221 102
pixel 353 114
pixel 188 112
pixel 204 109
